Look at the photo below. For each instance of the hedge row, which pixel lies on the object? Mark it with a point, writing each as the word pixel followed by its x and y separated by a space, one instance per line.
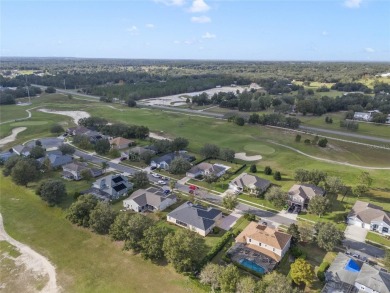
pixel 321 271
pixel 217 248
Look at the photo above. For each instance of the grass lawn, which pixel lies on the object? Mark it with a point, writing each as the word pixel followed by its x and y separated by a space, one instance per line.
pixel 85 262
pixel 375 237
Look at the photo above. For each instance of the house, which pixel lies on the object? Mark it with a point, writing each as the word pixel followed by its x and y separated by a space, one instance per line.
pixel 370 217
pixel 250 183
pixel 388 119
pixel 92 135
pixel 195 218
pixel 4 156
pixel 151 199
pixel 78 130
pixel 110 187
pixel 22 150
pixel 347 275
pixel 120 143
pixel 363 116
pixel 204 169
pixel 301 194
pixel 265 240
pixel 73 170
pixel 164 161
pixel 140 150
pixel 56 158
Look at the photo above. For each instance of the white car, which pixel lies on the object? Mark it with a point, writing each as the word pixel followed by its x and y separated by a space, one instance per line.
pixel 161 182
pixel 155 175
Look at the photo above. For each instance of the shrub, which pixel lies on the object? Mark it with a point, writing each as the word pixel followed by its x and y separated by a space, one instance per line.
pixel 298 138
pixel 253 168
pixel 250 217
pixel 322 142
pixel 297 252
pixel 321 271
pixel 277 176
pixel 216 230
pixel 267 170
pixel 307 141
pixel 56 128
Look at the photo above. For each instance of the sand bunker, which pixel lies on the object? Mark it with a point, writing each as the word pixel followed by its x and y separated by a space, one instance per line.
pixel 244 157
pixel 33 261
pixel 11 137
pixel 157 136
pixel 76 115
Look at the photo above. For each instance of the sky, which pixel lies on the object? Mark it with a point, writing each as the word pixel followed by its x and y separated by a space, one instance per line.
pixel 264 30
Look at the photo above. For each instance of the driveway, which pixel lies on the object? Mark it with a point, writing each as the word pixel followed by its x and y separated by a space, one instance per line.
pixel 355 233
pixel 229 221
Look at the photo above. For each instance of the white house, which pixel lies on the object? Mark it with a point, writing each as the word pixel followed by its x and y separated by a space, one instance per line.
pixel 250 183
pixel 151 199
pixel 113 186
pixel 370 217
pixel 195 218
pixel 205 169
pixel 73 170
pixel 265 240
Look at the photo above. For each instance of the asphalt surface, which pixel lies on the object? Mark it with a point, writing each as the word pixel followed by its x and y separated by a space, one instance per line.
pixel 355 135
pixel 363 249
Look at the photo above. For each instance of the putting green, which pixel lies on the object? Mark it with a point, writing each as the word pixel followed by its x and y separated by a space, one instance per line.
pixel 258 148
pixel 28 123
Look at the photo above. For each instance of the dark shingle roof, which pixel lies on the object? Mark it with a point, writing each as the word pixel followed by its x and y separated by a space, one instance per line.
pixel 119 187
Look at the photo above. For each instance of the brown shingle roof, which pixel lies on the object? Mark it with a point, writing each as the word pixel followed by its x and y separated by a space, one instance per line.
pixel 264 235
pixel 120 140
pixel 367 212
pixel 305 191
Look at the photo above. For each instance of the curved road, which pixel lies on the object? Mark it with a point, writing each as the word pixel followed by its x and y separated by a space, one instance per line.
pixel 374 138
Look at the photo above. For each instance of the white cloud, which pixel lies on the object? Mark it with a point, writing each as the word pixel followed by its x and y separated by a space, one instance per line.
pixel 208 36
pixel 176 42
pixel 133 30
pixel 199 6
pixel 171 2
pixel 325 33
pixel 200 19
pixel 352 3
pixel 369 50
pixel 150 25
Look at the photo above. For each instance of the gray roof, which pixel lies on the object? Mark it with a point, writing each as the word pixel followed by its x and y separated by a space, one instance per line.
pixel 195 215
pixel 75 166
pixel 21 148
pixel 100 194
pixel 57 160
pixel 306 191
pixel 367 212
pixel 168 158
pixel 337 272
pixel 251 181
pixel 151 196
pixel 6 155
pixel 204 167
pixel 374 279
pixel 140 150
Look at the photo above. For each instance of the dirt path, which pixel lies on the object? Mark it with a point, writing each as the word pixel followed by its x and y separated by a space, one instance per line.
pixel 12 137
pixel 329 161
pixel 33 261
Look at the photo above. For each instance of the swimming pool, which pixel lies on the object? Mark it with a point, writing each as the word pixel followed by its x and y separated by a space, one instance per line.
pixel 252 266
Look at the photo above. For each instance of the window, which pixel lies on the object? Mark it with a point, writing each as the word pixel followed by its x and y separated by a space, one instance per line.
pixel 385 230
pixel 181 223
pixel 259 243
pixel 250 240
pixel 273 249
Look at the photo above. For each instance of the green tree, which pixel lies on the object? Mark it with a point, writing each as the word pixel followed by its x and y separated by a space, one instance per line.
pixel 101 218
pixel 386 260
pixel 52 191
pixel 227 155
pixel 328 235
pixel 172 184
pixel 301 272
pixel 360 190
pixel 46 165
pixel 140 179
pixel 82 141
pixel 102 146
pixel 293 230
pixel 298 138
pixel 182 250
pixel 365 179
pixel 152 243
pixel 210 178
pixel 179 165
pixel 267 170
pixel 119 229
pixel 253 168
pixel 230 201
pixel 10 164
pixel 66 149
pixel 306 231
pixel 229 278
pixel 86 174
pixel 333 184
pixel 246 285
pixel 209 275
pixel 24 172
pixel 209 151
pixel 302 175
pixel 277 196
pixel 239 121
pixel 57 128
pixel 50 90
pixel 275 283
pixel 131 103
pixel 146 157
pixel 79 211
pixel 135 228
pixel 105 166
pixel 37 152
pixel 277 176
pixel 319 205
pixel 179 143
pixel 322 142
pixel 317 176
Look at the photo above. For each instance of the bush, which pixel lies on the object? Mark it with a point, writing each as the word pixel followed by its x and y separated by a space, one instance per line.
pixel 253 168
pixel 216 230
pixel 56 128
pixel 297 252
pixel 307 141
pixel 321 271
pixel 298 138
pixel 250 217
pixel 267 170
pixel 217 247
pixel 322 142
pixel 50 90
pixel 277 176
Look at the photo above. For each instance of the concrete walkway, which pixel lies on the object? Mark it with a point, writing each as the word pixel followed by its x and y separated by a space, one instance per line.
pixel 355 233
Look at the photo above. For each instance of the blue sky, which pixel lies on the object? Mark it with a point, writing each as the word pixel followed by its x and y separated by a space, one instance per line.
pixel 198 29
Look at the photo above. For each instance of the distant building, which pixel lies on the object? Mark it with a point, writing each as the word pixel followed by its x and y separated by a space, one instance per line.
pixel 205 169
pixel 250 183
pixel 120 143
pixel 110 187
pixel 151 199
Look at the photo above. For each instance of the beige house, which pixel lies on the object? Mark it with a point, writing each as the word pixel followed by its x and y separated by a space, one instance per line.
pixel 249 183
pixel 206 169
pixel 265 240
pixel 301 194
pixel 151 199
pixel 120 143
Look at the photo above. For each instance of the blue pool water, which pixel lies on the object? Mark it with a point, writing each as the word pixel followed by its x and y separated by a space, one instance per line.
pixel 252 266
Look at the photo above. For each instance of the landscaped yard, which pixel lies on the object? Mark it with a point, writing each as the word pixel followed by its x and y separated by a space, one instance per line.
pixel 85 262
pixel 375 237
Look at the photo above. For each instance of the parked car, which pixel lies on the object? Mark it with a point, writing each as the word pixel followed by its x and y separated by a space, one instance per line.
pixel 162 182
pixel 291 208
pixel 264 223
pixel 167 191
pixel 122 159
pixel 153 168
pixel 155 175
pixel 356 255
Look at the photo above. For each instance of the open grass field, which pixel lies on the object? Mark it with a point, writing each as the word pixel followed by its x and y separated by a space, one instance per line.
pixel 85 262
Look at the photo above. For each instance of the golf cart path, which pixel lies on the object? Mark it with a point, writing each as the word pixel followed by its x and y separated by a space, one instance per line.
pixel 33 260
pixel 327 160
pixel 20 119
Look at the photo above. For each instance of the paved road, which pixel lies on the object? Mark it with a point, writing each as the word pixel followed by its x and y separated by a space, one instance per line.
pixel 181 110
pixel 363 249
pixel 314 129
pixel 72 92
